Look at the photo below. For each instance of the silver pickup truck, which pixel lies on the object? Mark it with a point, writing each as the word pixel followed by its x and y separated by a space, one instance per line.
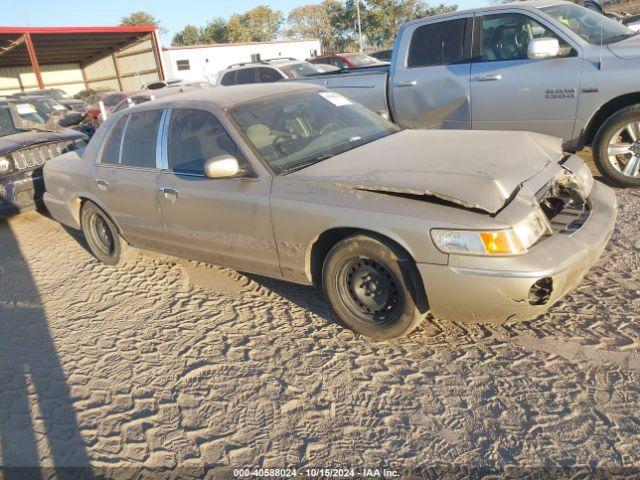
pixel 546 66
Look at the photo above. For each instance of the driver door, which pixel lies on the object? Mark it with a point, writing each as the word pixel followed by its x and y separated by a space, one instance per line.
pixel 509 91
pixel 221 221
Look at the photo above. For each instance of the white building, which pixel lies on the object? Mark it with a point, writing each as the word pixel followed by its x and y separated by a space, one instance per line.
pixel 200 62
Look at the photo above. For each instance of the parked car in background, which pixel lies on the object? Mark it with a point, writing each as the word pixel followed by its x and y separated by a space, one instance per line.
pixel 270 70
pixel 551 67
pixel 346 60
pixel 297 182
pixel 47 110
pixel 27 142
pixel 160 84
pixel 59 95
pixel 382 55
pixel 109 99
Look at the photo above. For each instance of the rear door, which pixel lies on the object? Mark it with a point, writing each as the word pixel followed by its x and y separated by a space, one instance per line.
pixel 126 177
pixel 221 221
pixel 509 91
pixel 430 84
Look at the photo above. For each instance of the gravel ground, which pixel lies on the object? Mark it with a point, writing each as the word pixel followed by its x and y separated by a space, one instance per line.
pixel 176 364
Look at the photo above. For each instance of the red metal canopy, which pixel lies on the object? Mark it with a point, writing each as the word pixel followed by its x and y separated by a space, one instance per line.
pixel 35 46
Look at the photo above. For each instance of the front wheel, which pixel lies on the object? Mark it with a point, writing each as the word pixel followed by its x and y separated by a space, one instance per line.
pixel 103 238
pixel 616 147
pixel 371 285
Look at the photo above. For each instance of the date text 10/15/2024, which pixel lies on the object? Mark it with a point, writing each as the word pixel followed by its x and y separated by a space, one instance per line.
pixel 315 473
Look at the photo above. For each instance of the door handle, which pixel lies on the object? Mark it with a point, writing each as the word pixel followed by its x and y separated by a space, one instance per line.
pixel 406 83
pixel 490 78
pixel 102 184
pixel 169 193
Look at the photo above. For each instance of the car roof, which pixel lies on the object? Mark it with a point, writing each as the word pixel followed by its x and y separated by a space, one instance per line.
pixel 525 5
pixel 27 98
pixel 237 94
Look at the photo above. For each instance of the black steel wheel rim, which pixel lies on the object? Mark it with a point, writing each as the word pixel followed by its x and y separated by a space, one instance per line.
pixel 102 238
pixel 369 290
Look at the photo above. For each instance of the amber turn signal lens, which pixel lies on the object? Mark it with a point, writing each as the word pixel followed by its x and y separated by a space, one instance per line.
pixel 502 243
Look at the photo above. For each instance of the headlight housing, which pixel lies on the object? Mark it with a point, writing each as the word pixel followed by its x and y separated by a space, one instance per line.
pixel 583 179
pixel 6 165
pixel 510 241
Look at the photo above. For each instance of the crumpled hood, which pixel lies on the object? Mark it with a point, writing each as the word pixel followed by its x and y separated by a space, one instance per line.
pixel 475 169
pixel 628 49
pixel 32 137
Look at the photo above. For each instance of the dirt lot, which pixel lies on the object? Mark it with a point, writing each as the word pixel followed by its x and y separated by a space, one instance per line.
pixel 171 364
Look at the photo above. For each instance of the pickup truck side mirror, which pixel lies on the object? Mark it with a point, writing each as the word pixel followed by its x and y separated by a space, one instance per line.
pixel 543 48
pixel 222 166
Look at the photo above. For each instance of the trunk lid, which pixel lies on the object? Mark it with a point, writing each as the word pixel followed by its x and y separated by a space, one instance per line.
pixel 475 169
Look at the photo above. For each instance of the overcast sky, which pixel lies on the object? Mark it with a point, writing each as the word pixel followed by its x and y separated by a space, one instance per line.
pixel 174 14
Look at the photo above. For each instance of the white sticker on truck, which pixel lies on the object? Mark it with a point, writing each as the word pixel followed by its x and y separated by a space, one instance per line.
pixel 335 98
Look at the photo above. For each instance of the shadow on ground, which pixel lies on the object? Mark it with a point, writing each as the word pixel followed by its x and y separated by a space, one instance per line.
pixel 38 426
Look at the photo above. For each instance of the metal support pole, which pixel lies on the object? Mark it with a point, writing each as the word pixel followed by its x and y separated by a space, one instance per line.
pixel 34 60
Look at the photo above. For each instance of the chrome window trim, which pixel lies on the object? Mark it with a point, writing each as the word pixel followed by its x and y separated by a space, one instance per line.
pixel 164 153
pixel 159 140
pixel 124 132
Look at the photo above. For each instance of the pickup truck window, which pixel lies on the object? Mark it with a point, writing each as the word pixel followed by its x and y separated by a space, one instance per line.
pixel 296 129
pixel 437 44
pixel 506 37
pixel 589 25
pixel 140 136
pixel 195 136
pixel 229 78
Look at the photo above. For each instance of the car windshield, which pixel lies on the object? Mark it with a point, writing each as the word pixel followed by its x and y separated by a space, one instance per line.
pixel 296 70
pixel 297 129
pixel 34 112
pixel 360 59
pixel 60 94
pixel 589 25
pixel 20 117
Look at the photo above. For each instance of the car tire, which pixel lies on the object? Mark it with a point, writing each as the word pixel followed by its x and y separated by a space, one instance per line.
pixel 103 237
pixel 616 125
pixel 373 287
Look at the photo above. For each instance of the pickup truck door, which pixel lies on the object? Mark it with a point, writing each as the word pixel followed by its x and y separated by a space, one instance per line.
pixel 222 221
pixel 429 79
pixel 509 91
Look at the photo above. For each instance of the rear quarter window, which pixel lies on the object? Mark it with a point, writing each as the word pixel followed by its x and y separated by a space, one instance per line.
pixel 111 150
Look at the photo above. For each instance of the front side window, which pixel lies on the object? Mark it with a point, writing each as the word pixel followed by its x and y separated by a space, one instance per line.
pixel 196 136
pixel 111 150
pixel 589 25
pixel 296 129
pixel 140 137
pixel 507 36
pixel 437 44
pixel 268 75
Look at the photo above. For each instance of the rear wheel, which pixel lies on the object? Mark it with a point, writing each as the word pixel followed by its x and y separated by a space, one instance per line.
pixel 103 238
pixel 370 284
pixel 616 147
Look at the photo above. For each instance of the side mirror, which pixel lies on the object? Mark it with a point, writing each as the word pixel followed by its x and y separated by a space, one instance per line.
pixel 543 48
pixel 223 166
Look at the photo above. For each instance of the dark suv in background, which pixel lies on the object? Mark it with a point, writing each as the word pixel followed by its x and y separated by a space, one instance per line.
pixel 27 142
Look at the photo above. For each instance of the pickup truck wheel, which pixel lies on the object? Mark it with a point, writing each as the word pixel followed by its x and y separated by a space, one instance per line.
pixel 616 147
pixel 103 238
pixel 368 283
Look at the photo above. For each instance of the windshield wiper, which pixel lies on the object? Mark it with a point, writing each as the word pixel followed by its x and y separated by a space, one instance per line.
pixel 305 164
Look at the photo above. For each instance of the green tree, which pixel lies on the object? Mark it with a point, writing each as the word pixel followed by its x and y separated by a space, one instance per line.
pixel 215 31
pixel 260 24
pixel 189 35
pixel 141 19
pixel 316 21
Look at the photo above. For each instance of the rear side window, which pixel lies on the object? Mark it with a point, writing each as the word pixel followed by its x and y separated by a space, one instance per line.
pixel 140 137
pixel 196 136
pixel 437 44
pixel 246 75
pixel 111 151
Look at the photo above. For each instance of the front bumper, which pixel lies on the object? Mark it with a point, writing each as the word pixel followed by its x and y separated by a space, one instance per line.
pixel 20 191
pixel 495 290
